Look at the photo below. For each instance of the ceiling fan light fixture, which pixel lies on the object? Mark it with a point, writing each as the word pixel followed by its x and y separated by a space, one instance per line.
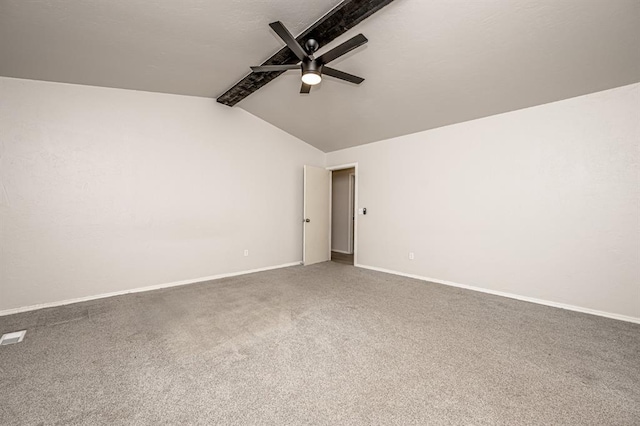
pixel 311 78
pixel 311 72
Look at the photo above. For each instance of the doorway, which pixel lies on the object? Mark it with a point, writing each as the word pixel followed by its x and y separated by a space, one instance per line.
pixel 343 186
pixel 317 215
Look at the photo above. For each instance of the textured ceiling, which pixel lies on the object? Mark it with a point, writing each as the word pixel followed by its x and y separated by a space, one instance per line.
pixel 427 63
pixel 188 47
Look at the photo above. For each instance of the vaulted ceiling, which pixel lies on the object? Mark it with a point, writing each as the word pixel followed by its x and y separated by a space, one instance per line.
pixel 428 63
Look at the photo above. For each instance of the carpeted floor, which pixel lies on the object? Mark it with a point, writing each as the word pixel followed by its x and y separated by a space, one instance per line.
pixel 325 344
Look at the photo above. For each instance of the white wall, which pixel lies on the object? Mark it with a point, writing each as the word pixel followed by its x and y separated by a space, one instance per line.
pixel 340 215
pixel 541 203
pixel 105 190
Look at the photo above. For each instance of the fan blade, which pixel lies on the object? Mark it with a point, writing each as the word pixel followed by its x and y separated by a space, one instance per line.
pixel 342 75
pixel 345 47
pixel 305 88
pixel 270 68
pixel 286 36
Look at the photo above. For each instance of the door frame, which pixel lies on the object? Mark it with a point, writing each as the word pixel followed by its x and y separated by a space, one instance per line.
pixel 352 212
pixel 355 207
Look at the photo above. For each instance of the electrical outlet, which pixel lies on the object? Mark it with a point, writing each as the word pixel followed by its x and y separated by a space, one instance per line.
pixel 246 252
pixel 411 257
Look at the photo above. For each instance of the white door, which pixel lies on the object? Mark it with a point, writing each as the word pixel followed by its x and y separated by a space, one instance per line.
pixel 317 226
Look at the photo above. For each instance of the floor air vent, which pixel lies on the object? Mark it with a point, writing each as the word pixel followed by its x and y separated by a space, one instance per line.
pixel 11 338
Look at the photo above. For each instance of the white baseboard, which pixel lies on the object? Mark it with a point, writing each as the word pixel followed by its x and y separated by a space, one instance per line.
pixel 341 251
pixel 140 289
pixel 509 295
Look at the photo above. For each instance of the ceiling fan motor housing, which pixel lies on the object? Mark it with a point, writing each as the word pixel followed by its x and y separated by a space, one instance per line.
pixel 311 66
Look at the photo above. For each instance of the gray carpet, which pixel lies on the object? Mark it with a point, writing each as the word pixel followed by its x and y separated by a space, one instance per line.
pixel 325 344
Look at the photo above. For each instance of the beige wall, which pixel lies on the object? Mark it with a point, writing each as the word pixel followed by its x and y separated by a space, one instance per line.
pixel 104 190
pixel 540 203
pixel 340 215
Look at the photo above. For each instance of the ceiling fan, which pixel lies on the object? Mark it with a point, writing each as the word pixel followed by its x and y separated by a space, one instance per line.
pixel 313 68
